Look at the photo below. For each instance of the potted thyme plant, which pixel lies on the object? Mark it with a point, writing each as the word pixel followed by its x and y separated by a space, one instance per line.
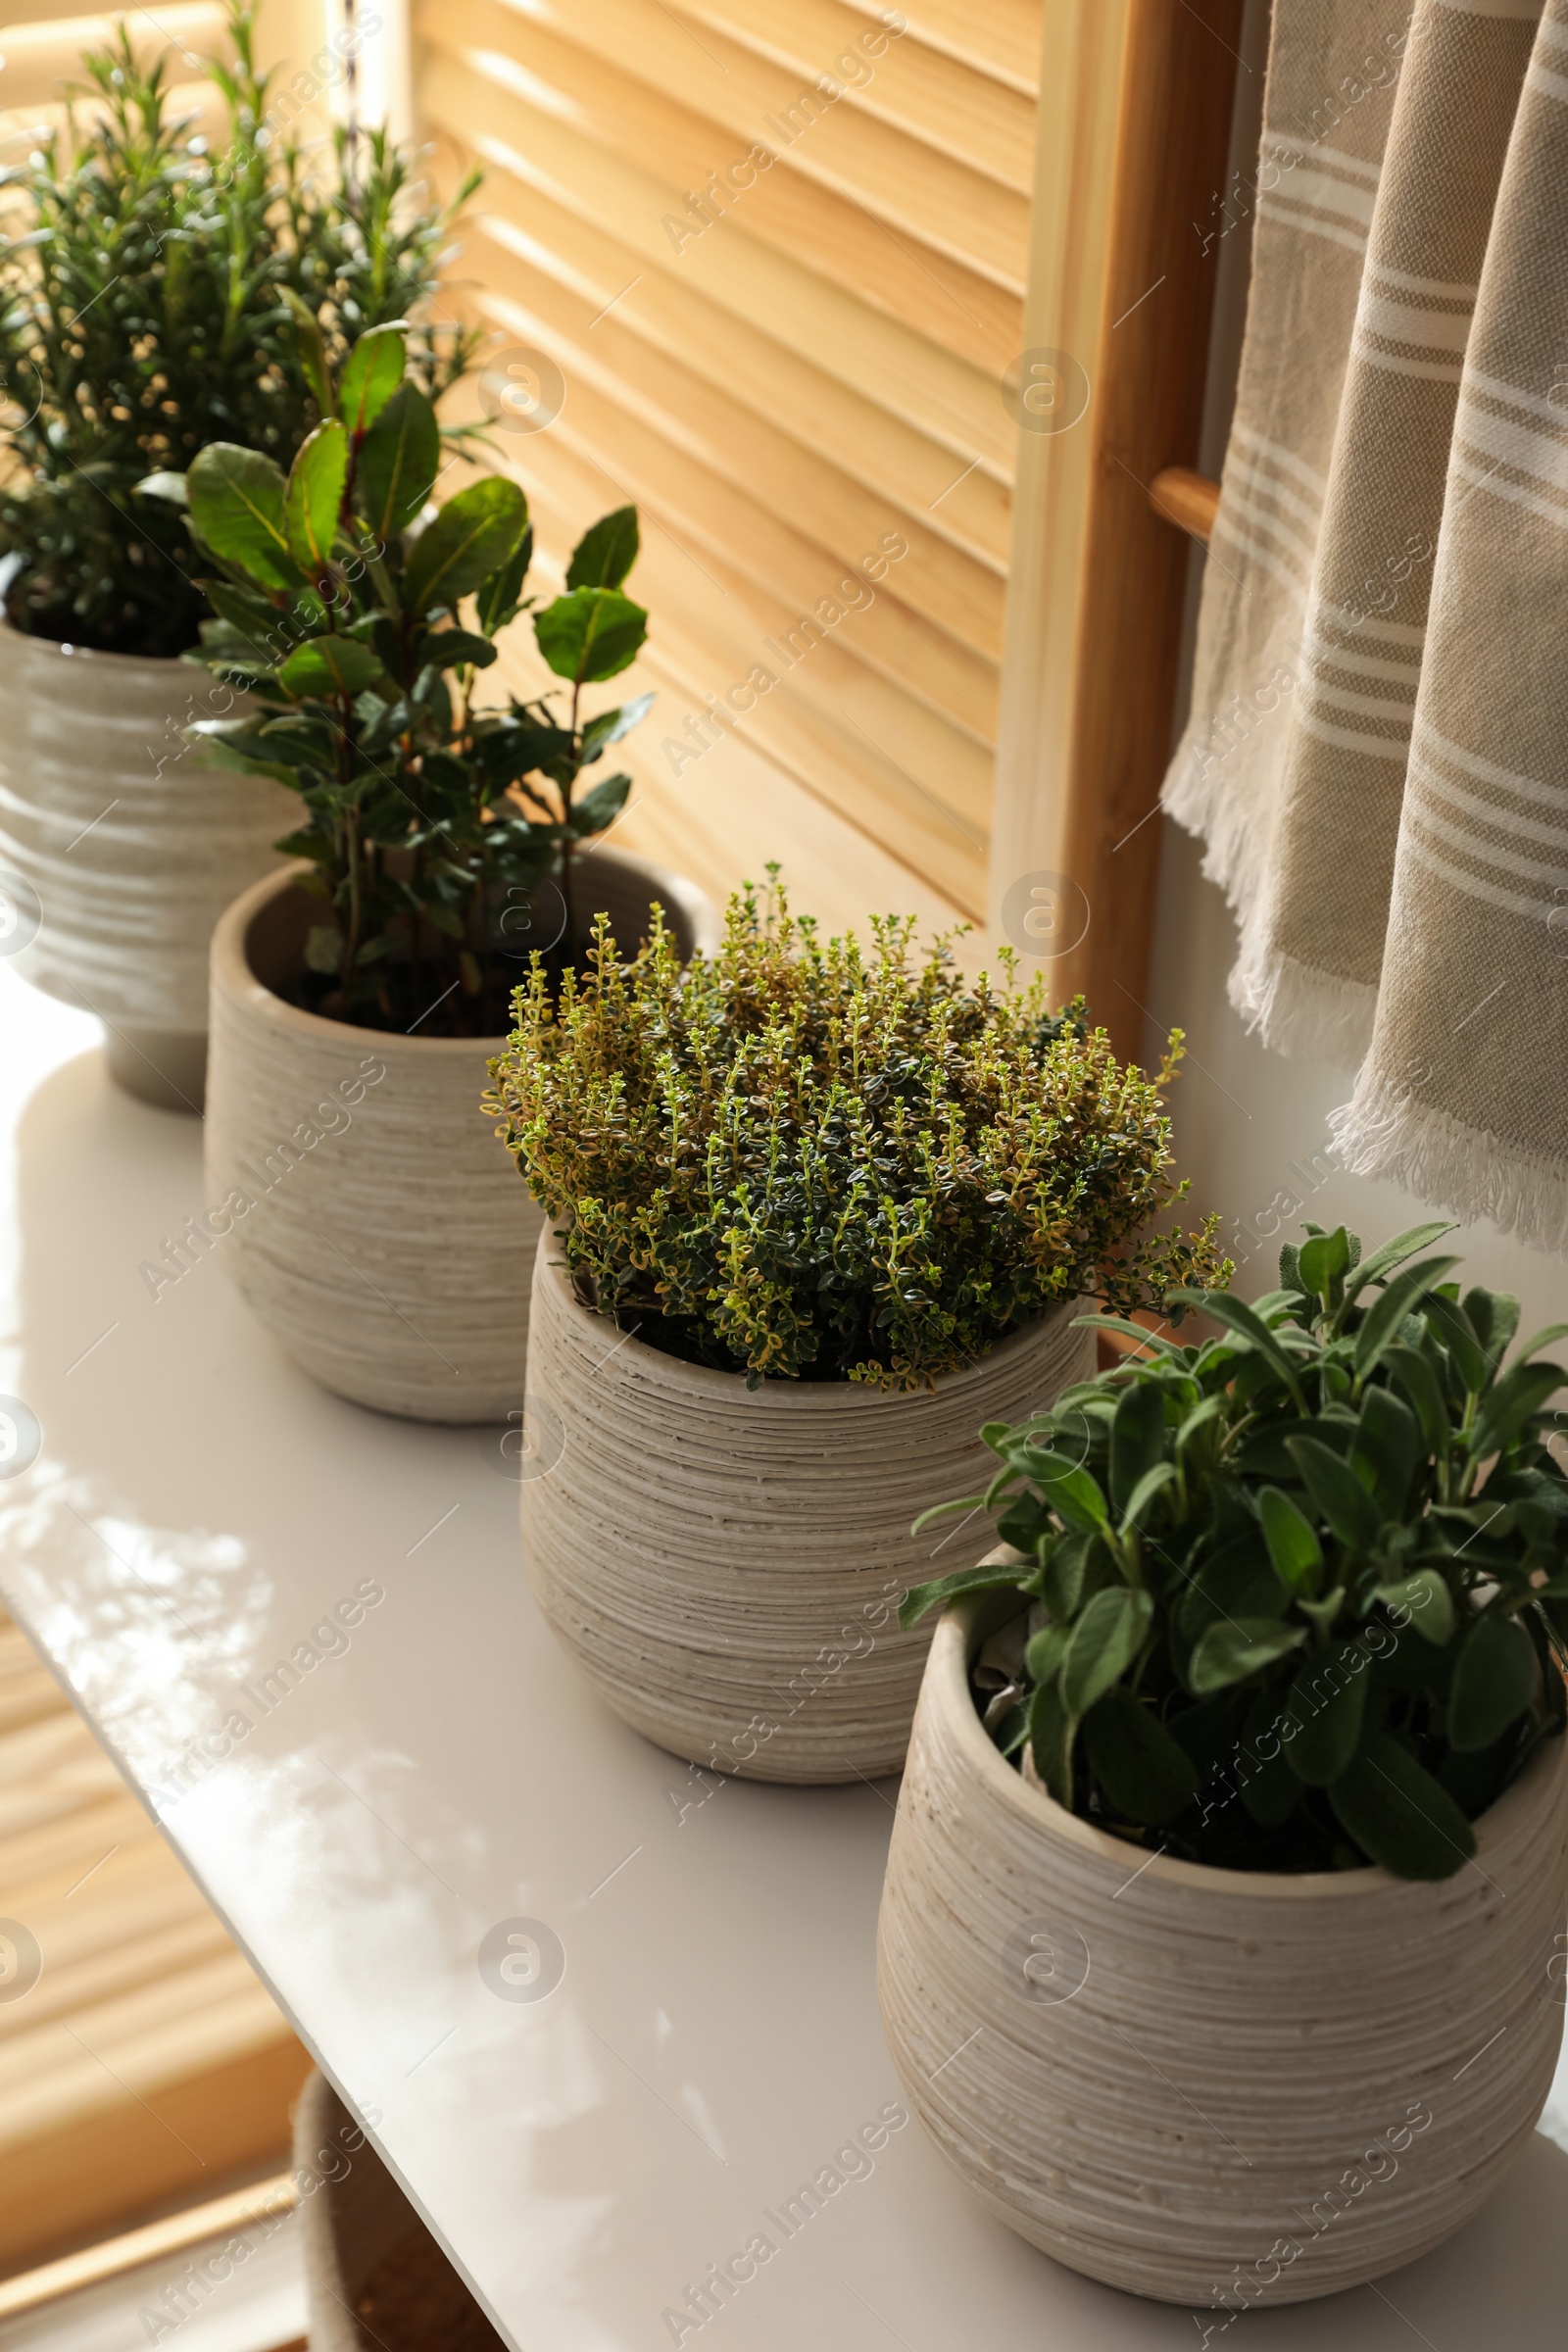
pixel 151 302
pixel 820 1212
pixel 1232 1852
pixel 435 849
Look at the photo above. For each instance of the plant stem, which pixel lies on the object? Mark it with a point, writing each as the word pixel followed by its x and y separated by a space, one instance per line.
pixel 350 948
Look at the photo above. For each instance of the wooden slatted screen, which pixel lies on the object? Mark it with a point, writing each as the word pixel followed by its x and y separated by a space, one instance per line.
pixel 776 251
pixel 147 2061
pixel 42 44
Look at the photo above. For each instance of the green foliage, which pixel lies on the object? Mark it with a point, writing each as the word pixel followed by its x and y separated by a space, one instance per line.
pixel 432 823
pixel 162 298
pixel 802 1158
pixel 1345 1541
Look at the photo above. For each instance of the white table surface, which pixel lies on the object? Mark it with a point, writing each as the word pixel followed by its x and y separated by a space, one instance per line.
pixel 198 1506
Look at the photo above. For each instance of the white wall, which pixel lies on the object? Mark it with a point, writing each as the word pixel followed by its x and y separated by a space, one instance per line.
pixel 1252 1129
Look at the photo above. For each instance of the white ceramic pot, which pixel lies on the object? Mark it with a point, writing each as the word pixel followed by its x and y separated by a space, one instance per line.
pixel 1216 2087
pixel 127 846
pixel 725 1563
pixel 361 1200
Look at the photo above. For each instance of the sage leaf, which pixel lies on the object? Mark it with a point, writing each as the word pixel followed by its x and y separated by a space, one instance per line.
pixel 1136 1439
pixel 1147 1776
pixel 1239 1579
pixel 1145 1494
pixel 1292 1540
pixel 1387 1451
pixel 1072 1492
pixel 1427 1600
pixel 1393 1254
pixel 1248 1323
pixel 1063 1585
pixel 1521 1391
pixel 1452 1326
pixel 1234 1648
pixel 1051 1734
pixel 1417 1377
pixel 1493 1681
pixel 1338 1493
pixel 1399 1815
pixel 1326 1706
pixel 1042 1657
pixel 1399 1297
pixel 921 1599
pixel 1269 1790
pixel 1105 1641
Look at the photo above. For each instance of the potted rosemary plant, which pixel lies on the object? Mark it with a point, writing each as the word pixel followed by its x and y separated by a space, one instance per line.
pixel 1233 1854
pixel 149 305
pixel 821 1212
pixel 359 993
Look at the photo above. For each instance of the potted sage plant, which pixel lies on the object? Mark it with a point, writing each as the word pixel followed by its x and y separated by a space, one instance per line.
pixel 359 993
pixel 151 294
pixel 1217 1942
pixel 818 1212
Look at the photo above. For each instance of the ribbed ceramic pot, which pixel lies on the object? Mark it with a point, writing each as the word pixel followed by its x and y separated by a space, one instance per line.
pixel 127 846
pixel 725 1563
pixel 1216 2087
pixel 373 2271
pixel 360 1198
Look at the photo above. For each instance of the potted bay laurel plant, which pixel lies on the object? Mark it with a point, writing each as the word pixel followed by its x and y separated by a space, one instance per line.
pixel 818 1212
pixel 358 994
pixel 1230 1865
pixel 150 303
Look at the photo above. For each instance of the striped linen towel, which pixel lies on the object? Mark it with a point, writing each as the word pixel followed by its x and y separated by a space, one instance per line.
pixel 1377 755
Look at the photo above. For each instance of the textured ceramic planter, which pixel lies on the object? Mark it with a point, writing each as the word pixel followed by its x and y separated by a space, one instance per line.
pixel 375 2274
pixel 360 1198
pixel 129 844
pixel 725 1563
pixel 1215 2087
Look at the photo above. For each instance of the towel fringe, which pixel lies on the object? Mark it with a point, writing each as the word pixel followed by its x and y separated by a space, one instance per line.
pixel 1302 1012
pixel 1467 1171
pixel 1225 821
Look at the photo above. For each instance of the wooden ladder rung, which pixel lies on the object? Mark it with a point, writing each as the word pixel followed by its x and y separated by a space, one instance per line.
pixel 1187 499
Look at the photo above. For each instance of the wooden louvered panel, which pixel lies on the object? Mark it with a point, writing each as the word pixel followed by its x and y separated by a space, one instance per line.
pixel 1000 35
pixel 959 598
pixel 898 177
pixel 735 806
pixel 147 2059
pixel 41 55
pixel 734 526
pixel 943 100
pixel 966 506
pixel 811 378
pixel 945 303
pixel 820 723
pixel 489 102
